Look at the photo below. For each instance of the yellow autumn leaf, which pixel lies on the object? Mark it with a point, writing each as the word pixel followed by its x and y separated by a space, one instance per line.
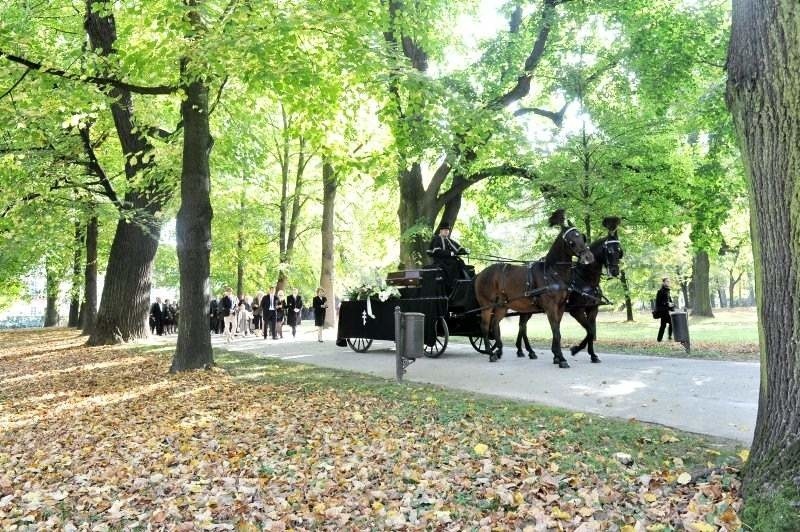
pixel 744 454
pixel 358 417
pixel 377 506
pixel 578 415
pixel 702 526
pixel 480 449
pixel 558 513
pixel 628 528
pixel 684 478
pixel 650 497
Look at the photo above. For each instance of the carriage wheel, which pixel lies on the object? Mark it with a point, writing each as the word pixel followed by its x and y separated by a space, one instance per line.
pixel 440 343
pixel 478 344
pixel 359 345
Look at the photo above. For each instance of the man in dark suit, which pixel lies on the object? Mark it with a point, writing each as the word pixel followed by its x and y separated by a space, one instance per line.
pixel 269 304
pixel 446 254
pixel 664 305
pixel 157 316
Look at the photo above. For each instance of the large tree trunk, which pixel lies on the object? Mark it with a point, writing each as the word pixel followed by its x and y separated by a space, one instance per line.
pixel 732 282
pixel 764 98
pixel 75 290
pixel 126 291
pixel 628 303
pixel 416 226
pixel 51 287
pixel 327 278
pixel 124 305
pixel 701 291
pixel 194 231
pixel 89 306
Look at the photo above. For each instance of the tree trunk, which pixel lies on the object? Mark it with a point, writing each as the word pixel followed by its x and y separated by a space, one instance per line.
pixel 89 306
pixel 52 282
pixel 416 227
pixel 194 230
pixel 327 280
pixel 124 305
pixel 701 292
pixel 685 291
pixel 75 291
pixel 723 298
pixel 628 303
pixel 732 282
pixel 763 89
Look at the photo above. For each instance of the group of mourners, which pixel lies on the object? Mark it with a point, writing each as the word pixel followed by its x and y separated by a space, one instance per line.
pixel 164 317
pixel 265 313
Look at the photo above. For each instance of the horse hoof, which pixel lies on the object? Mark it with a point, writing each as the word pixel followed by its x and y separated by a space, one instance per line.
pixel 532 355
pixel 499 355
pixel 563 364
pixel 492 358
pixel 573 351
pixel 520 354
pixel 556 360
pixel 596 360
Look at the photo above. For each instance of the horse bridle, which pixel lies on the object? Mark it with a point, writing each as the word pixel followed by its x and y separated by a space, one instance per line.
pixel 568 231
pixel 605 253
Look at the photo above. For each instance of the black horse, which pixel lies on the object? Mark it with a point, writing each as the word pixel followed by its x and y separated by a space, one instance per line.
pixel 536 287
pixel 585 296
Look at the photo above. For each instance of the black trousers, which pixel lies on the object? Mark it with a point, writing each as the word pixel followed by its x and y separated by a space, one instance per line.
pixel 666 322
pixel 270 321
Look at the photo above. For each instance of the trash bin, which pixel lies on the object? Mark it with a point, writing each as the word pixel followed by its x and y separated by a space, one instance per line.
pixel 680 328
pixel 414 334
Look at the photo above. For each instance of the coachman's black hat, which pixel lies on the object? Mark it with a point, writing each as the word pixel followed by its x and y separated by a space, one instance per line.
pixel 443 225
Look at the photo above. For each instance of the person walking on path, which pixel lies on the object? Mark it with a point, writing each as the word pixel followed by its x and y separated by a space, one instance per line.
pixel 280 313
pixel 227 306
pixel 664 305
pixel 320 303
pixel 256 306
pixel 157 317
pixel 268 311
pixel 294 306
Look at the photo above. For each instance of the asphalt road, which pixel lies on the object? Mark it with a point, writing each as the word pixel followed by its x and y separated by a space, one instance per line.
pixel 707 397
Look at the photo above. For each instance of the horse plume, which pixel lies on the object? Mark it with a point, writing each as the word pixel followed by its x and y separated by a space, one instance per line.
pixel 557 218
pixel 611 223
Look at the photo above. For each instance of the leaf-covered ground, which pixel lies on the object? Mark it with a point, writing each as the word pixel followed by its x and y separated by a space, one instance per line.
pixel 106 439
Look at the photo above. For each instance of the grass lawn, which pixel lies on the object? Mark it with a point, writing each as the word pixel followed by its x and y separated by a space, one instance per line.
pixel 106 439
pixel 731 335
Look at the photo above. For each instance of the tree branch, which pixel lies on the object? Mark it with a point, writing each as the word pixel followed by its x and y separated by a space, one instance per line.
pixel 523 85
pixel 97 168
pixel 557 117
pixel 14 86
pixel 94 80
pixel 494 171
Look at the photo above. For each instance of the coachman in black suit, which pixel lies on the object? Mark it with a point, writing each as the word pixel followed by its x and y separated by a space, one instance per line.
pixel 446 254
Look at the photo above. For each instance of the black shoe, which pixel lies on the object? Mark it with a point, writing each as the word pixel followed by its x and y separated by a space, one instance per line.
pixel 658 339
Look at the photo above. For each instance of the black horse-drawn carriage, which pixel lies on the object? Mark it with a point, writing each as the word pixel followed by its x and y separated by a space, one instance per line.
pixel 475 305
pixel 421 290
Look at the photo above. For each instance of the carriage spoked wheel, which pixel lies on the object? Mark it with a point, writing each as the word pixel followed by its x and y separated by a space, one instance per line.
pixel 478 344
pixel 442 336
pixel 359 345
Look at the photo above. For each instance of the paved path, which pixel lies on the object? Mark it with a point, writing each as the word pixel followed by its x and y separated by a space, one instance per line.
pixel 706 397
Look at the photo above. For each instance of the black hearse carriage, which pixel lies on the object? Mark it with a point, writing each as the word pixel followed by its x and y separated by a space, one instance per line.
pixel 421 290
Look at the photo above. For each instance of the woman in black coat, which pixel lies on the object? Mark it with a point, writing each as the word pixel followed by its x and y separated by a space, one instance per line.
pixel 294 306
pixel 320 303
pixel 664 305
pixel 280 309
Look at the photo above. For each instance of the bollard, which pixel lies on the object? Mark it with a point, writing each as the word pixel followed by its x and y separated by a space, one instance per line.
pixel 409 337
pixel 680 328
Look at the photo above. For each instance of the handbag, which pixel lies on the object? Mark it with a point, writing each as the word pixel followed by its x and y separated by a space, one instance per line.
pixel 656 314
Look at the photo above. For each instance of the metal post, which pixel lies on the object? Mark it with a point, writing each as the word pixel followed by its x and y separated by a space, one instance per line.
pixel 398 344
